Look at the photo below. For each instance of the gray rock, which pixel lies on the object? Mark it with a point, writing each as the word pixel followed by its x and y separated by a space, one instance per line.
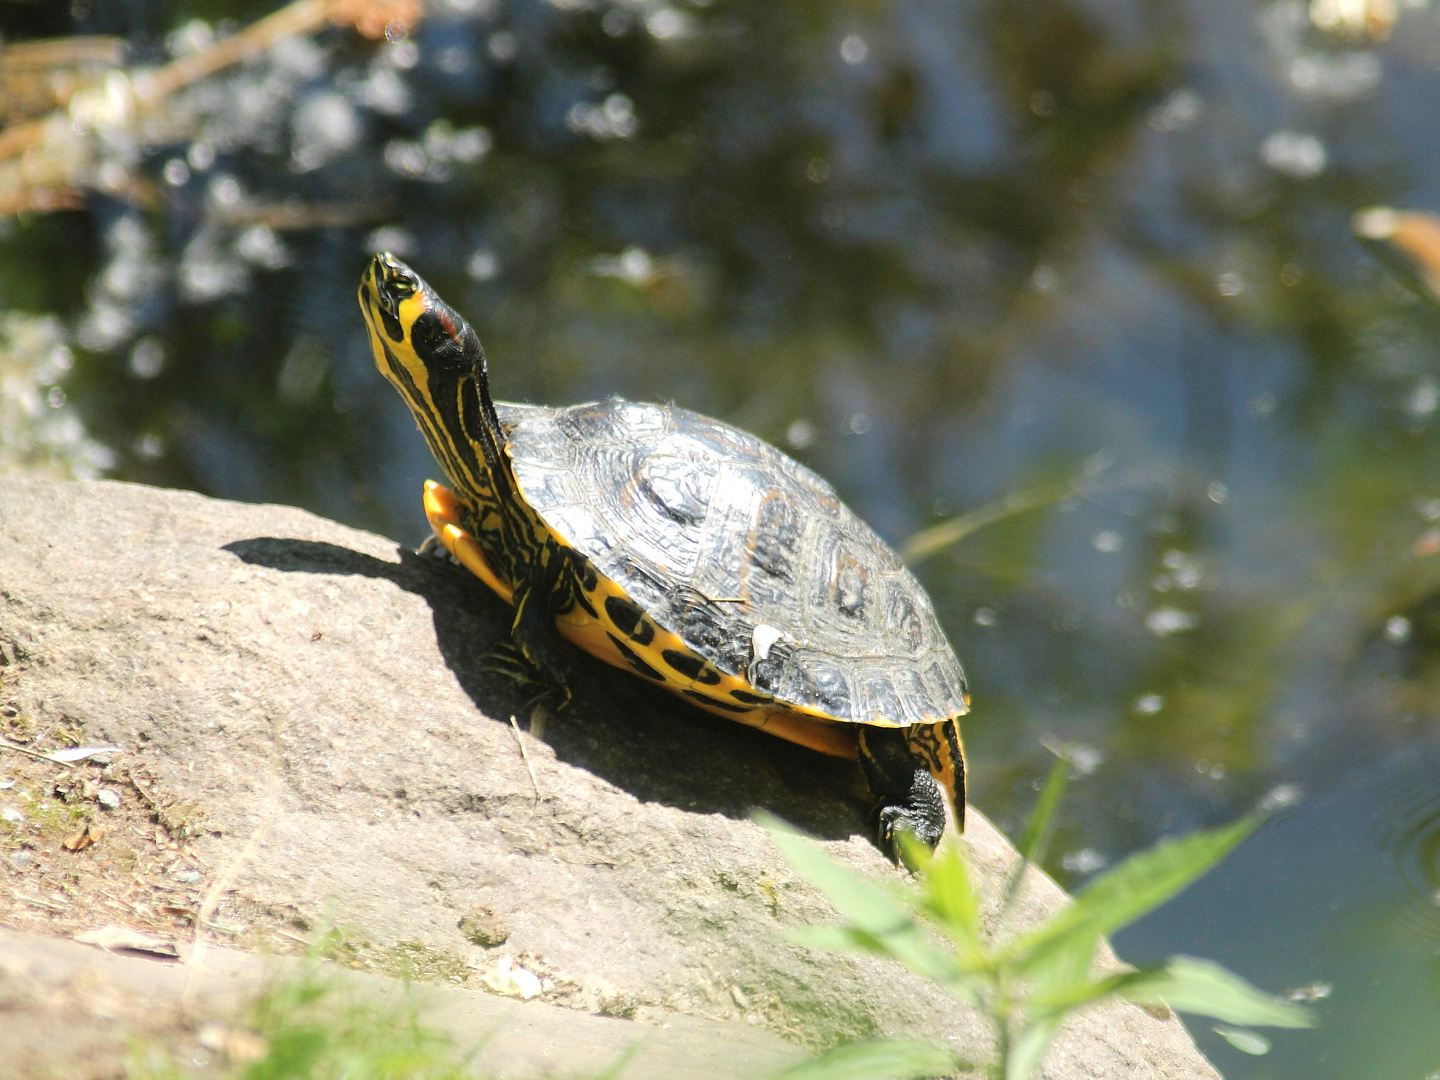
pixel 283 681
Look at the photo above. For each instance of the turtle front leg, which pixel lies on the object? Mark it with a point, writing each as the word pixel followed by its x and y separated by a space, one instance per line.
pixel 908 800
pixel 534 630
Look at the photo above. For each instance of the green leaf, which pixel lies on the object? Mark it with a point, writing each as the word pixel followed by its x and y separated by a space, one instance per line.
pixel 1028 1048
pixel 1135 887
pixel 1249 1042
pixel 950 897
pixel 881 1059
pixel 868 908
pixel 1040 827
pixel 1207 989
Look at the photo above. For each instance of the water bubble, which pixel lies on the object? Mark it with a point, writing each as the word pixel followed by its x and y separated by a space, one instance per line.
pixel 1337 76
pixel 616 22
pixel 192 37
pixel 854 50
pixel 1263 404
pixel 392 238
pixel 385 92
pixel 1294 154
pixel 817 170
pixel 149 446
pixel 403 54
pixel 1162 622
pixel 226 191
pixel 800 434
pixel 1084 861
pixel 1149 704
pixel 1229 284
pixel 1397 629
pixel 614 119
pixel 860 424
pixel 502 46
pixel 633 265
pixel 1045 280
pixel 1429 509
pixel 483 265
pixel 200 156
pixel 1424 398
pixel 1043 103
pixel 147 358
pixel 324 126
pixel 1280 797
pixel 453 60
pixel 1217 493
pixel 259 244
pixel 406 158
pixel 176 172
pixel 1107 541
pixel 667 24
pixel 985 616
pixel 1177 112
pixel 1084 759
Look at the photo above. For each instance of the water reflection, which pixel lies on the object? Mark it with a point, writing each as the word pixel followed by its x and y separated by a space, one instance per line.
pixel 1065 292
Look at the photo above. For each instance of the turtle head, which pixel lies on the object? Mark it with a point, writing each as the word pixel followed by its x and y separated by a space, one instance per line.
pixel 434 359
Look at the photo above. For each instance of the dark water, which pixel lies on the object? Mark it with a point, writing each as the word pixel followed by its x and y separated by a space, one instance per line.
pixel 942 252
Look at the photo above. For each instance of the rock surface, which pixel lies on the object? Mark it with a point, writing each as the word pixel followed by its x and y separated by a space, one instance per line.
pixel 303 710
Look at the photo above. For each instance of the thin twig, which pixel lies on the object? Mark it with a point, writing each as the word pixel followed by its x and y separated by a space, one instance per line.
pixel 525 754
pixel 6 744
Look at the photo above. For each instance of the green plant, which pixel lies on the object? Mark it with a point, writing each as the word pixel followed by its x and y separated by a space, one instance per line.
pixel 1026 983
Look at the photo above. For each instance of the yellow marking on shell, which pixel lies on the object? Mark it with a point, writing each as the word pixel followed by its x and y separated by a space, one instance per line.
pixel 821 733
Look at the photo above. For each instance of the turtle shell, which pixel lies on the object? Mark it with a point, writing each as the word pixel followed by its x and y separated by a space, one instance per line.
pixel 745 554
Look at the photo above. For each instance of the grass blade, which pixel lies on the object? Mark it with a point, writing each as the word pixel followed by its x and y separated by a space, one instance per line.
pixel 1137 886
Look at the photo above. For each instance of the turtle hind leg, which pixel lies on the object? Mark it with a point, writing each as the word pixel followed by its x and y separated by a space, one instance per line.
pixel 908 798
pixel 534 629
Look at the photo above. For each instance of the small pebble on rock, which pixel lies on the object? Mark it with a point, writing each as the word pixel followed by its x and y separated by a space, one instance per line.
pixel 483 927
pixel 108 798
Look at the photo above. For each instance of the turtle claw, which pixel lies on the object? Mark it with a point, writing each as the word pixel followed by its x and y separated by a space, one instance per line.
pixel 507 659
pixel 432 547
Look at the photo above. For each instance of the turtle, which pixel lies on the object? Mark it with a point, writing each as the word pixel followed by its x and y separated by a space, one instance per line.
pixel 687 552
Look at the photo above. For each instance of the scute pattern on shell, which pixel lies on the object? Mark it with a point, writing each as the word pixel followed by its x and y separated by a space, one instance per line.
pixel 690 515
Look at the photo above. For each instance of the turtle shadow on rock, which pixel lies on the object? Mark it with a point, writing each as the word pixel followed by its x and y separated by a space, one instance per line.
pixel 633 735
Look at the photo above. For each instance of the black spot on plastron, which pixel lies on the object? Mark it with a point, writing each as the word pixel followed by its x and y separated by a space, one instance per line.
pixel 777 537
pixel 705 699
pixel 750 699
pixel 634 661
pixel 625 615
pixel 686 664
